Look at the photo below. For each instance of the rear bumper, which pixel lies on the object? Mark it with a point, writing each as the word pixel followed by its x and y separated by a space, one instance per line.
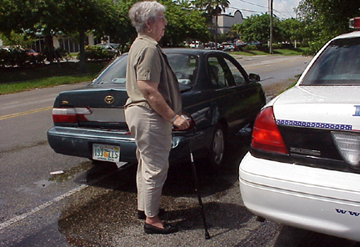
pixel 79 142
pixel 315 199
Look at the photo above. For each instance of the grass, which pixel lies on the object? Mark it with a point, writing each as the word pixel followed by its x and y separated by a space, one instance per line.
pixel 13 80
pixel 285 52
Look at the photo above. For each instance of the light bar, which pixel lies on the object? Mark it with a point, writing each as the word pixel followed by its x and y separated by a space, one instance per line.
pixel 355 23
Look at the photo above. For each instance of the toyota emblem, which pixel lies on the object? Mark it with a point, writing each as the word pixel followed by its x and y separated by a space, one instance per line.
pixel 109 99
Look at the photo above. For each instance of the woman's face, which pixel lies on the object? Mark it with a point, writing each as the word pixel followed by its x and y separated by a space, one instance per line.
pixel 158 26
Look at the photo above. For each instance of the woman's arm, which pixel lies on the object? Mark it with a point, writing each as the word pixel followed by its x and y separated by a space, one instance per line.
pixel 157 102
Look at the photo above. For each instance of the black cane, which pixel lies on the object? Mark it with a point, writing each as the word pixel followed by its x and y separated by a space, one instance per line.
pixel 196 184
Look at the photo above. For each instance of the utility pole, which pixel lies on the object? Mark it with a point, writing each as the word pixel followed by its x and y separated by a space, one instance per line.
pixel 271 27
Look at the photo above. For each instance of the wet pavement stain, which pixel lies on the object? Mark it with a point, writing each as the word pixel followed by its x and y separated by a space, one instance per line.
pixel 107 208
pixel 66 175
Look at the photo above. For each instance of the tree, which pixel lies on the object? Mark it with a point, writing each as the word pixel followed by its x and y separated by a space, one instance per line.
pixel 183 22
pixel 291 30
pixel 77 18
pixel 85 15
pixel 212 8
pixel 17 39
pixel 118 26
pixel 326 19
pixel 256 28
pixel 50 17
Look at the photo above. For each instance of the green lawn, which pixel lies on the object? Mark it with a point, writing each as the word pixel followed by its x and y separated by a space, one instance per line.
pixel 14 80
pixel 285 52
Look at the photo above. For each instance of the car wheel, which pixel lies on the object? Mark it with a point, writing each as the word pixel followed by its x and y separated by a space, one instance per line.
pixel 217 146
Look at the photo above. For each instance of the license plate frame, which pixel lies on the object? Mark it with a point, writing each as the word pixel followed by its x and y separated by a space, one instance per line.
pixel 105 152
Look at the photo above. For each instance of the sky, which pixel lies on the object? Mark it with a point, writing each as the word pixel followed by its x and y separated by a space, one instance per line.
pixel 281 8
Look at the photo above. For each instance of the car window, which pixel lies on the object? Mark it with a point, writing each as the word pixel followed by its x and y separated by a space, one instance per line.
pixel 339 64
pixel 185 67
pixel 219 72
pixel 238 77
pixel 115 73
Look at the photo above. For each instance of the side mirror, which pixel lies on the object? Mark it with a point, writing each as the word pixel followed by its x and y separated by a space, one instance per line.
pixel 254 77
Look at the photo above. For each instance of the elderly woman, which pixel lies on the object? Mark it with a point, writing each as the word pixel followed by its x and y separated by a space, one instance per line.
pixel 153 107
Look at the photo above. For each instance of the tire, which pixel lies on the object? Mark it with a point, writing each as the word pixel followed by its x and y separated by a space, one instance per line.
pixel 217 148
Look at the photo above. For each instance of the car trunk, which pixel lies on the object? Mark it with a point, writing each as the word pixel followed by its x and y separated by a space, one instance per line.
pixel 94 107
pixel 319 130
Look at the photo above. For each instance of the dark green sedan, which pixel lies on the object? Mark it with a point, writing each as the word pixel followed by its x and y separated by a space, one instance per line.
pixel 218 95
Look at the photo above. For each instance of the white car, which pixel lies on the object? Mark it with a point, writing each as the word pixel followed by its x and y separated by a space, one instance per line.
pixel 303 168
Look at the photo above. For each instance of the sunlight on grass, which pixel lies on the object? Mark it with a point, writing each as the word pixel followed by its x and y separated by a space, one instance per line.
pixel 285 52
pixel 15 87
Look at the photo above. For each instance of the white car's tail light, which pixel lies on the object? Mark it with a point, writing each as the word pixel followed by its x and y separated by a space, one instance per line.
pixel 348 145
pixel 266 135
pixel 69 115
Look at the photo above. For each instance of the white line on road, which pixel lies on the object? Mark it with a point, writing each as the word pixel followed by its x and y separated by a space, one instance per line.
pixel 41 207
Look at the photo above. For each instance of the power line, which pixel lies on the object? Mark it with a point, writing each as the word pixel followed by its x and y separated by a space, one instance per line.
pixel 252 4
pixel 282 3
pixel 279 13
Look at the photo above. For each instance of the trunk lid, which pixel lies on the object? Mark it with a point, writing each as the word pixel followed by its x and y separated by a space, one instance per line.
pixel 322 126
pixel 94 107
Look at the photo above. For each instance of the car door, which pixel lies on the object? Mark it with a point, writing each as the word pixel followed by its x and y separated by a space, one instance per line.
pixel 238 99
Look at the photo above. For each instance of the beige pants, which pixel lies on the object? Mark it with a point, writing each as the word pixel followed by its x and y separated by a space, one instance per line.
pixel 153 140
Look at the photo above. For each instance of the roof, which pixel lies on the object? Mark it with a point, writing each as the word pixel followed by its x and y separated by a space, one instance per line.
pixel 191 51
pixel 352 34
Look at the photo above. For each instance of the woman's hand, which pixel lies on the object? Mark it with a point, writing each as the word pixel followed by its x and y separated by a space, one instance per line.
pixel 181 123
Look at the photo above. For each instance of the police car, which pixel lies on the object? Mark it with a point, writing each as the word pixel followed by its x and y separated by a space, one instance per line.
pixel 303 168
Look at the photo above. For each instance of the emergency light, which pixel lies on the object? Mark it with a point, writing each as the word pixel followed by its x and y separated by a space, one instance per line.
pixel 355 23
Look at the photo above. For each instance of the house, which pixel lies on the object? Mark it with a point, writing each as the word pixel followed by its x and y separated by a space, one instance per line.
pixel 227 19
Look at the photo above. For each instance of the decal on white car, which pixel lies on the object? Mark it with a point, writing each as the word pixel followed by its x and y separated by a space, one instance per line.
pixel 314 125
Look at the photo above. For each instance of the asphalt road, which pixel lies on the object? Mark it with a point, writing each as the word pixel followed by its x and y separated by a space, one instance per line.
pixel 87 205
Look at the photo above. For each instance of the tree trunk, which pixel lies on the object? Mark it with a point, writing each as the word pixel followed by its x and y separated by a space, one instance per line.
pixel 216 30
pixel 49 48
pixel 82 64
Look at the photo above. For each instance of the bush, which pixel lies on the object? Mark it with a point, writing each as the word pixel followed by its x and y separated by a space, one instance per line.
pixel 57 54
pixel 98 53
pixel 18 57
pixel 314 47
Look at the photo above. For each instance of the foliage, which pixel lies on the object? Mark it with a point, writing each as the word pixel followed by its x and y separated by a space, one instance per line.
pixel 256 28
pixel 291 30
pixel 117 25
pixel 211 8
pixel 17 39
pixel 183 22
pixel 97 53
pixel 16 56
pixel 325 19
pixel 58 54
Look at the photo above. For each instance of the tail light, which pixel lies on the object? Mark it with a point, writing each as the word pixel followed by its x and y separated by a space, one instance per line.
pixel 348 144
pixel 69 115
pixel 266 135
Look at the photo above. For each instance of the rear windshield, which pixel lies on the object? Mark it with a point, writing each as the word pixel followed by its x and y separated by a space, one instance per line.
pixel 339 64
pixel 184 66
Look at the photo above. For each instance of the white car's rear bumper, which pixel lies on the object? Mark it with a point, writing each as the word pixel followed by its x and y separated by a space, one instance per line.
pixel 316 199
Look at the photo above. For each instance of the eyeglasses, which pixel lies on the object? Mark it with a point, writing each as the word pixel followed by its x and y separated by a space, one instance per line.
pixel 161 17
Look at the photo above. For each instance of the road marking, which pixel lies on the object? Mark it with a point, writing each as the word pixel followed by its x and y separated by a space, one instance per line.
pixel 25 113
pixel 41 207
pixel 57 199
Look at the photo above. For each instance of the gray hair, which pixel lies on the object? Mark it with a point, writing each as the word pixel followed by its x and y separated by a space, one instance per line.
pixel 144 11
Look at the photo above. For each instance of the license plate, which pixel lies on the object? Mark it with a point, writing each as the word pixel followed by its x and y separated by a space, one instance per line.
pixel 106 152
